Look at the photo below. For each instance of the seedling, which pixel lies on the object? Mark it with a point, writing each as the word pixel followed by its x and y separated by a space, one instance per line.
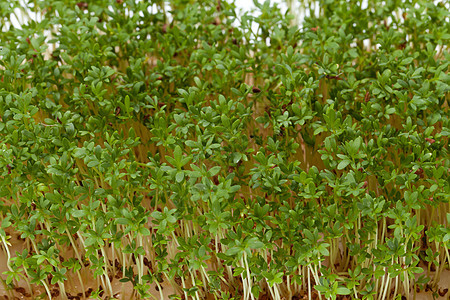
pixel 182 146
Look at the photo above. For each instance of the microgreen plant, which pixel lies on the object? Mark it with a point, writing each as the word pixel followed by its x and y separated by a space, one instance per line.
pixel 256 156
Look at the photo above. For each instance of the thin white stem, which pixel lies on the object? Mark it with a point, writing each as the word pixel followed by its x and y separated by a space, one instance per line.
pixel 309 285
pixel 108 282
pixel 8 254
pixel 46 289
pixel 271 290
pixel 288 283
pixel 161 295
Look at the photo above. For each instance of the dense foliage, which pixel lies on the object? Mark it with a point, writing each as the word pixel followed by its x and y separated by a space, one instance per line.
pixel 231 157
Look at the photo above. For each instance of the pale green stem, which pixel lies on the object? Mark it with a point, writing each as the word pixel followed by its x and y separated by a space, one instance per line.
pixel 46 289
pixel 160 289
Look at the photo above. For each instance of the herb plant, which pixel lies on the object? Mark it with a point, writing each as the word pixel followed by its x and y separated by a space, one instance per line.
pixel 186 152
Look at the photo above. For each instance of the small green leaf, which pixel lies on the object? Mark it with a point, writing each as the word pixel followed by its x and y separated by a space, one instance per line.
pixel 233 251
pixel 78 213
pixel 179 176
pixel 343 291
pixel 343 164
pixel 214 170
pixel 254 243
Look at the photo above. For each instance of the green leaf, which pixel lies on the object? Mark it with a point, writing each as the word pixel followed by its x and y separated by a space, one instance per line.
pixel 93 163
pixel 191 144
pixel 416 269
pixel 214 170
pixel 233 251
pixel 178 154
pixel 78 213
pixel 321 288
pixel 236 157
pixel 343 291
pixel 343 164
pixel 254 243
pixel 179 176
pixel 122 221
pixel 323 249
